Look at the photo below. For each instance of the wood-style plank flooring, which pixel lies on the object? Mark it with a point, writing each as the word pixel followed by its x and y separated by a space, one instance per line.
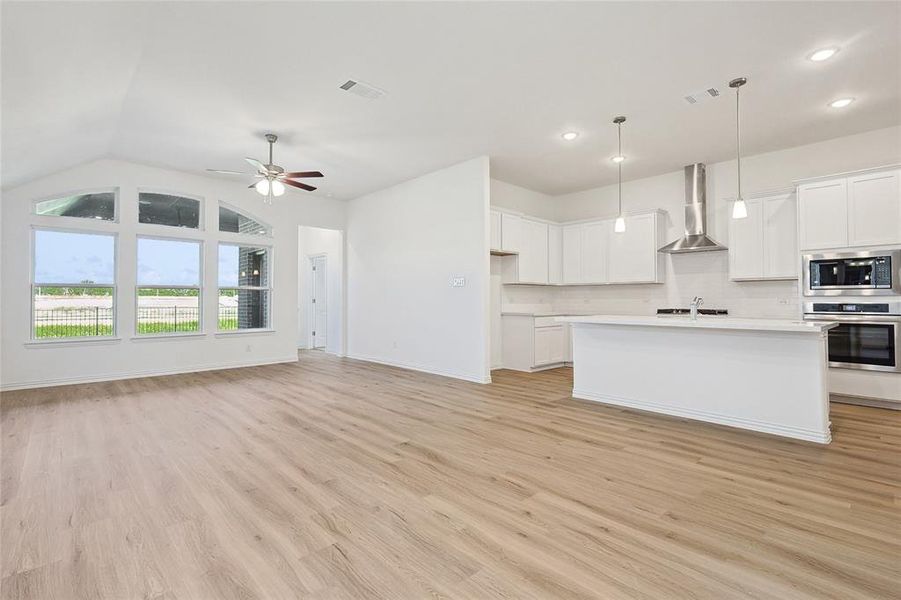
pixel 331 479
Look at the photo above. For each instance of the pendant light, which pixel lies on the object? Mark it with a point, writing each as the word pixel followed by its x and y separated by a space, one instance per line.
pixel 620 225
pixel 739 208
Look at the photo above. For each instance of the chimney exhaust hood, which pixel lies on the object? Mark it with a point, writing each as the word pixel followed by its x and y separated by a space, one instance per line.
pixel 695 238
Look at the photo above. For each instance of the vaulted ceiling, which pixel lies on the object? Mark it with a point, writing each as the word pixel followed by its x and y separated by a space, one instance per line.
pixel 195 85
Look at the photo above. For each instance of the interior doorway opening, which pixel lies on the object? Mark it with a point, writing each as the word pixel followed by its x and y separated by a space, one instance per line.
pixel 320 306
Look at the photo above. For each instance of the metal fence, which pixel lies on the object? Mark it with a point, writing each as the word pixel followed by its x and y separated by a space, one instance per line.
pixel 73 322
pixel 228 318
pixel 97 321
pixel 168 319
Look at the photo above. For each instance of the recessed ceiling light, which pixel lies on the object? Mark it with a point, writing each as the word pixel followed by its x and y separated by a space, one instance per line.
pixel 618 158
pixel 570 135
pixel 822 54
pixel 841 102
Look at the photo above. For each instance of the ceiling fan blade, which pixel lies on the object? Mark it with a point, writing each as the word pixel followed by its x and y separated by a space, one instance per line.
pixel 298 184
pixel 252 185
pixel 227 172
pixel 302 174
pixel 257 165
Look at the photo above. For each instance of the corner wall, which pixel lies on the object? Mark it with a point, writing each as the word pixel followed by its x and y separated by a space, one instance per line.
pixel 405 245
pixel 24 365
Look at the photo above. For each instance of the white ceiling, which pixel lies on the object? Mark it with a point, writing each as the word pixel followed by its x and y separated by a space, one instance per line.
pixel 194 85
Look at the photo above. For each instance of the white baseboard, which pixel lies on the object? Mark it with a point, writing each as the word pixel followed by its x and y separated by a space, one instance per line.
pixel 422 369
pixel 810 435
pixel 24 385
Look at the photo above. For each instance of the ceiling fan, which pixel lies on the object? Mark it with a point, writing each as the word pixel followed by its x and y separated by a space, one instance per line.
pixel 272 178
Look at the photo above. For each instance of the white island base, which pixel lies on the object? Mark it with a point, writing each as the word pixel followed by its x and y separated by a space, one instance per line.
pixel 757 374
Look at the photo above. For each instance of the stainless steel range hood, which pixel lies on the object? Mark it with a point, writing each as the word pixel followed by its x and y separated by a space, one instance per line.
pixel 695 238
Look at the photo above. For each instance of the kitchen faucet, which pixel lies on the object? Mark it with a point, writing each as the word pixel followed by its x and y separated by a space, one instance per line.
pixel 695 305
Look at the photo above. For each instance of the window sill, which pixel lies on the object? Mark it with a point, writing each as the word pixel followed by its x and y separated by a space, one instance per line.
pixel 153 337
pixel 70 342
pixel 245 332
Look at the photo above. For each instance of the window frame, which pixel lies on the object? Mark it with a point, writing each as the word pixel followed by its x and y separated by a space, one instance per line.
pixel 201 210
pixel 270 326
pixel 114 287
pixel 237 234
pixel 199 287
pixel 78 220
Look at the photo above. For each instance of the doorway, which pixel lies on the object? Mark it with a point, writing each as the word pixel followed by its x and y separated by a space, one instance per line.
pixel 319 301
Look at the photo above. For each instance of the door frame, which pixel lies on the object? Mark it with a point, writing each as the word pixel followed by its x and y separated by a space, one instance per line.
pixel 311 311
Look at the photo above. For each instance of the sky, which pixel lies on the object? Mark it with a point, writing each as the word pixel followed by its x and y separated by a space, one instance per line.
pixel 63 257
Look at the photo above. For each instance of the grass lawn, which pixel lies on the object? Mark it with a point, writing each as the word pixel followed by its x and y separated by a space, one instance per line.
pixel 91 330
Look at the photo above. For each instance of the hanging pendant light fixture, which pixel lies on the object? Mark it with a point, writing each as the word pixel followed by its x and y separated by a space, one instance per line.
pixel 620 225
pixel 739 208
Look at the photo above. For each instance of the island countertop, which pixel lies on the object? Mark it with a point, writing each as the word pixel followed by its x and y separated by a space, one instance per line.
pixel 703 322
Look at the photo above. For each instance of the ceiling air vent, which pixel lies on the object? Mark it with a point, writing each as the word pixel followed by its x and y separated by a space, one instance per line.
pixel 364 90
pixel 698 97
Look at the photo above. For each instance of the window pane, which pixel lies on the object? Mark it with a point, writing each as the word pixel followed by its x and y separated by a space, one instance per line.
pixel 243 266
pixel 168 310
pixel 165 209
pixel 99 205
pixel 72 312
pixel 243 309
pixel 167 262
pixel 234 222
pixel 62 257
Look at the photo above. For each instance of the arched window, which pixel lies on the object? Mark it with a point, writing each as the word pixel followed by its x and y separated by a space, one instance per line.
pixel 233 221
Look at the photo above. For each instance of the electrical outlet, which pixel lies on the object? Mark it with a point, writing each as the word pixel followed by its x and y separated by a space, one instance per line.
pixel 458 282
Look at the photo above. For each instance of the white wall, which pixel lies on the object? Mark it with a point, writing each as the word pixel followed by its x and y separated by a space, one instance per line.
pixel 314 241
pixel 23 365
pixel 520 199
pixel 706 274
pixel 404 246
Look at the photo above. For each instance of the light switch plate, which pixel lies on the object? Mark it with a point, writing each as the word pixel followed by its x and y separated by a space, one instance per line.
pixel 458 282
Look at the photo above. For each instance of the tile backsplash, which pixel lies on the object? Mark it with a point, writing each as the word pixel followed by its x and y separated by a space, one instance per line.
pixel 687 275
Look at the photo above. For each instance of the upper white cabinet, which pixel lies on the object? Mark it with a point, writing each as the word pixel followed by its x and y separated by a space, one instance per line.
pixel 594 254
pixel 531 263
pixel 495 220
pixel 764 244
pixel 554 254
pixel 861 210
pixel 572 254
pixel 587 253
pixel 511 233
pixel 874 209
pixel 633 253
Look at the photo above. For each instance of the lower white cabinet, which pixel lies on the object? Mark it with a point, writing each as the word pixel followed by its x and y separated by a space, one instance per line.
pixel 533 343
pixel 764 245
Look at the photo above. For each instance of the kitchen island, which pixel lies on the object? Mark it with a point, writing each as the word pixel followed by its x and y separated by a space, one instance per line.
pixel 759 374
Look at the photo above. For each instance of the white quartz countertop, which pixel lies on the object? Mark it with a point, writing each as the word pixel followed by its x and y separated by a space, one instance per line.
pixel 703 322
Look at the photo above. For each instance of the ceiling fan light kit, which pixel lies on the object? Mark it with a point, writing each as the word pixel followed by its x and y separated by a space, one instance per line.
pixel 273 178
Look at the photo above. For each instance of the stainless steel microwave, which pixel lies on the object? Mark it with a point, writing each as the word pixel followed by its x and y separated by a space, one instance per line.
pixel 864 273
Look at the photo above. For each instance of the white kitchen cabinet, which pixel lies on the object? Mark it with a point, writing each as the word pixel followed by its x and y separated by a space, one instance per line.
pixel 632 254
pixel 595 242
pixel 495 242
pixel 823 214
pixel 874 209
pixel 780 237
pixel 848 212
pixel 763 245
pixel 533 343
pixel 554 254
pixel 572 254
pixel 511 232
pixel 530 265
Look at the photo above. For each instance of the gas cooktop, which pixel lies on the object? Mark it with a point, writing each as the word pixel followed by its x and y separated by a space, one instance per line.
pixel 686 311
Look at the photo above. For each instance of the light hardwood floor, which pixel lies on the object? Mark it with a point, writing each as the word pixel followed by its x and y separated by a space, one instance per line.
pixel 339 479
